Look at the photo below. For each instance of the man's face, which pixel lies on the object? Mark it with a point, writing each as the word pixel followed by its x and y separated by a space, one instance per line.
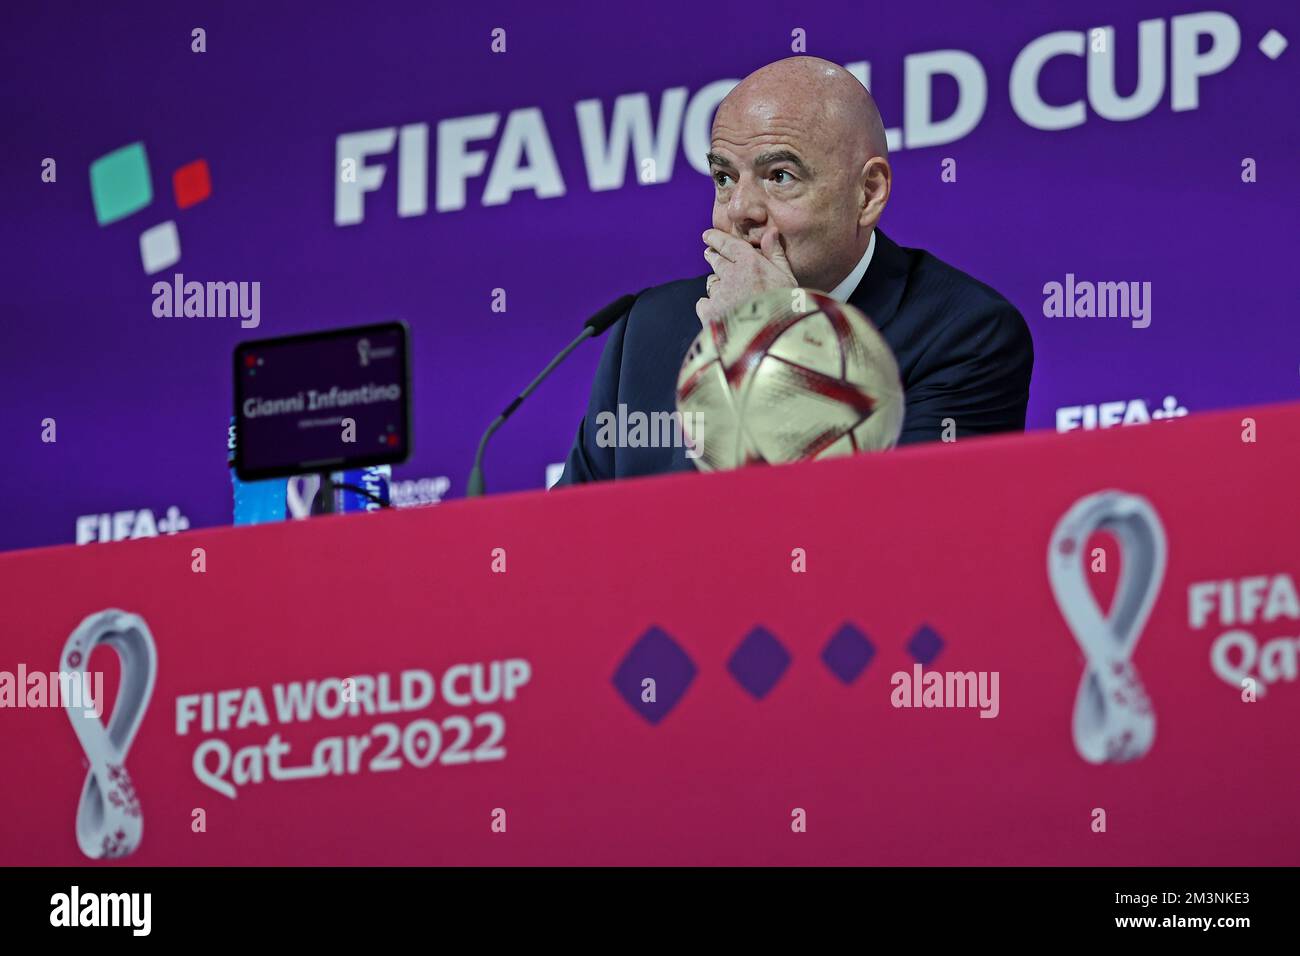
pixel 772 166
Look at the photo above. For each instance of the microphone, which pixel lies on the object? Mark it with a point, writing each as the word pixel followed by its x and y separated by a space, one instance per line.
pixel 597 325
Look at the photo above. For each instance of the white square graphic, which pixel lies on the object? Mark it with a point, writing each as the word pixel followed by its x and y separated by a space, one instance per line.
pixel 1272 44
pixel 160 247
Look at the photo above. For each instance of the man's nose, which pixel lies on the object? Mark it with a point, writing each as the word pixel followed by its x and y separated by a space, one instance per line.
pixel 747 206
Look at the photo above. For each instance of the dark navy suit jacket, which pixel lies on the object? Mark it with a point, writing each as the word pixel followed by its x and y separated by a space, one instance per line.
pixel 963 352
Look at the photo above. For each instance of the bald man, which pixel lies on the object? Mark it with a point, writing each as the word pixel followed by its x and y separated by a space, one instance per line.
pixel 801 178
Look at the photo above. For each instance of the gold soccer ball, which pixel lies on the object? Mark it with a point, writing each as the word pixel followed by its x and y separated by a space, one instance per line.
pixel 791 375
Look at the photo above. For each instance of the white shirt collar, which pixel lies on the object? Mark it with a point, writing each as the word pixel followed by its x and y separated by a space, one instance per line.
pixel 845 289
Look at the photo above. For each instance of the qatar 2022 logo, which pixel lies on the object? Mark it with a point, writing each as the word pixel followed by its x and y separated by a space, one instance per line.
pixel 121 185
pixel 1114 720
pixel 110 823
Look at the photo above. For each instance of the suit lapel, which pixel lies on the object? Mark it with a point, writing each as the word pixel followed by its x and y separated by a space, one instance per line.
pixel 881 289
pixel 686 326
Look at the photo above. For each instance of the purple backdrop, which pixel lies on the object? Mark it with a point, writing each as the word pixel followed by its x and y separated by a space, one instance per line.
pixel 141 403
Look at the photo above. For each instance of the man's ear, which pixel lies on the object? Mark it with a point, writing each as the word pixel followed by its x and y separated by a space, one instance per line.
pixel 876 180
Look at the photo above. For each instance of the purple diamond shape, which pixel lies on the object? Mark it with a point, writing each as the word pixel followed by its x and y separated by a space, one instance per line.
pixel 659 657
pixel 848 653
pixel 759 662
pixel 925 644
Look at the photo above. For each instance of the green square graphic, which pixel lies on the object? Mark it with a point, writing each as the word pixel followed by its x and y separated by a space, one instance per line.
pixel 120 184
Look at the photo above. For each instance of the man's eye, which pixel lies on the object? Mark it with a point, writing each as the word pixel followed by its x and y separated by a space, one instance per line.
pixel 783 172
pixel 719 177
